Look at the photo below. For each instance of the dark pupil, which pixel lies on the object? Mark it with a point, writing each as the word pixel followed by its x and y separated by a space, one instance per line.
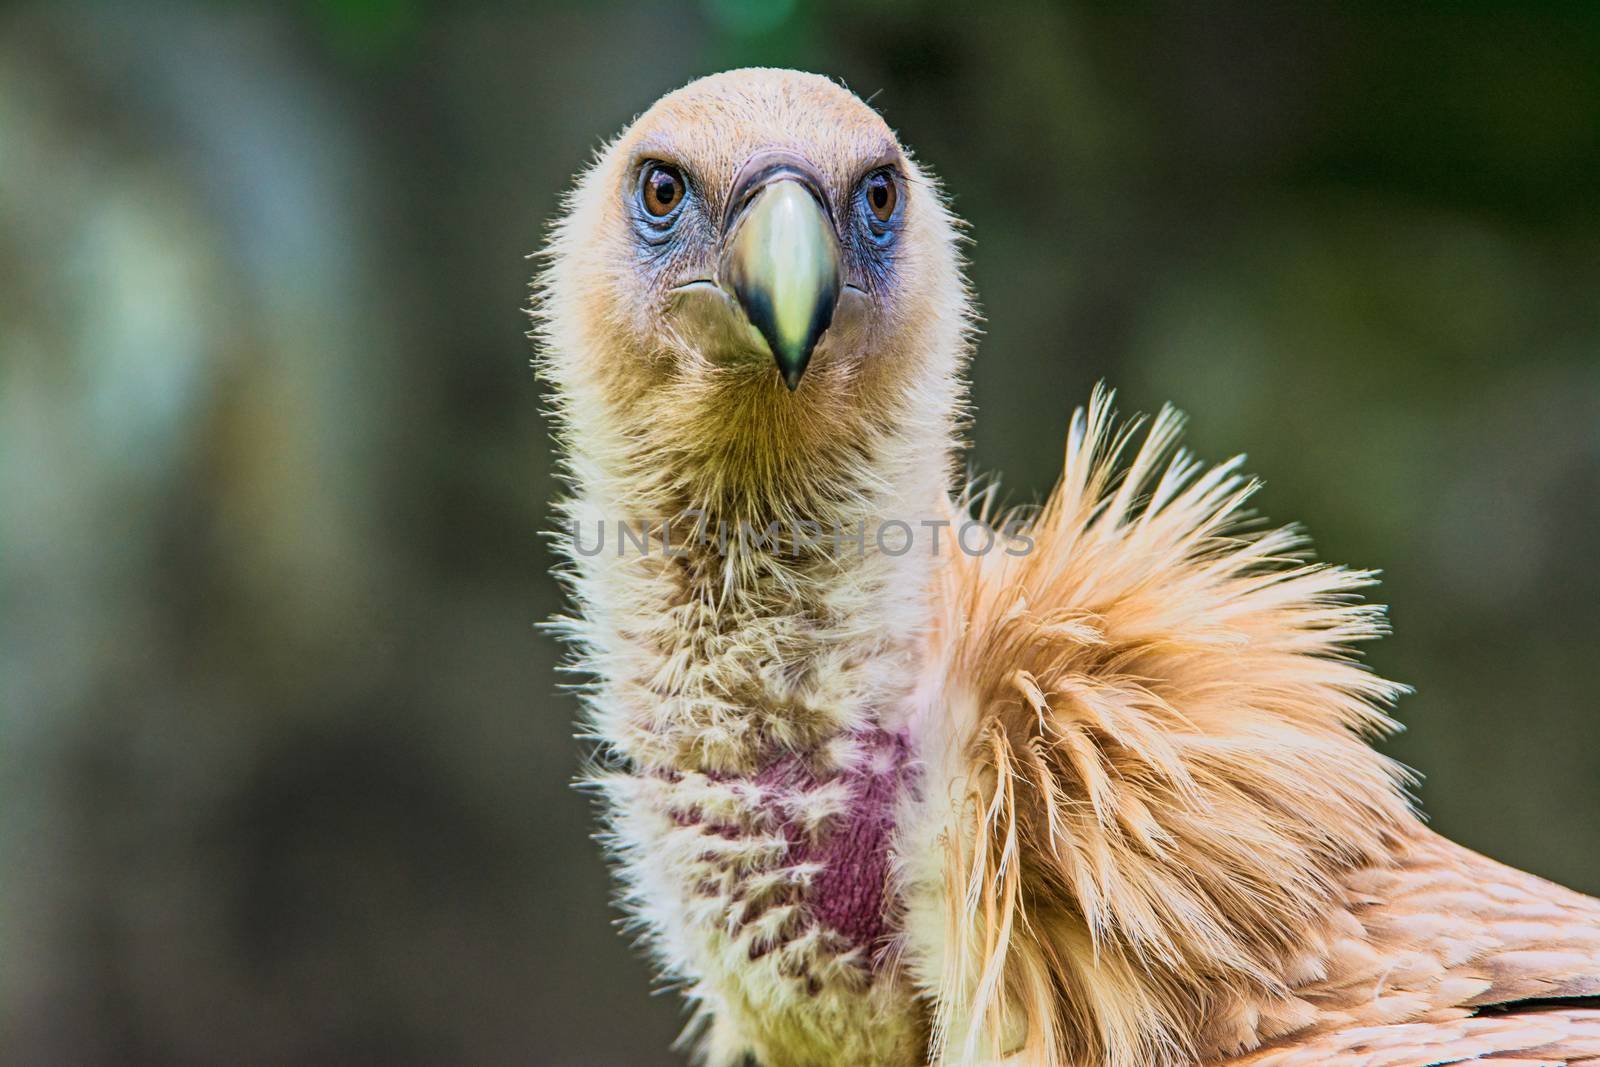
pixel 663 188
pixel 880 193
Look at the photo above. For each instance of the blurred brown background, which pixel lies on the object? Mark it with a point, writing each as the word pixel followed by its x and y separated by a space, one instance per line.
pixel 285 765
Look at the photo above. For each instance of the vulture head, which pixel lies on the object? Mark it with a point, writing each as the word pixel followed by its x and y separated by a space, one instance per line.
pixel 753 291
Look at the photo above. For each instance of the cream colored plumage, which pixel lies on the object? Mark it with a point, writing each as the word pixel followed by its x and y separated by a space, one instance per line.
pixel 1098 795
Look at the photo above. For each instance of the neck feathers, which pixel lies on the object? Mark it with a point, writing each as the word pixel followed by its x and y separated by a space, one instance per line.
pixel 760 616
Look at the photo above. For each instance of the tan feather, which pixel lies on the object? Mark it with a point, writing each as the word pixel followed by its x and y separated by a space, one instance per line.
pixel 1177 843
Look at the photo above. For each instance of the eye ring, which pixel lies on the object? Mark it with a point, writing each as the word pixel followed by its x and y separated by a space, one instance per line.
pixel 879 204
pixel 662 190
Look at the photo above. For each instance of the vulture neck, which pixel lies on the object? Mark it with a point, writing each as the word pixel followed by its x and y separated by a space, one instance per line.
pixel 774 614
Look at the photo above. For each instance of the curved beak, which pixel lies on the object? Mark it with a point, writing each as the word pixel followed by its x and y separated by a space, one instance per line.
pixel 780 257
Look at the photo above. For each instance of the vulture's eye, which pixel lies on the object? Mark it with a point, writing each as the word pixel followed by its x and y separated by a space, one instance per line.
pixel 880 203
pixel 882 195
pixel 661 190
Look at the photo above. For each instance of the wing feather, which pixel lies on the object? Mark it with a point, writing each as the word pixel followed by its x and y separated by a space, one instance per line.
pixel 1535 1039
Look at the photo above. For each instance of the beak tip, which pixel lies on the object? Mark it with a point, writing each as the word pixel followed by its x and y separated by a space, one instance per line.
pixel 791 377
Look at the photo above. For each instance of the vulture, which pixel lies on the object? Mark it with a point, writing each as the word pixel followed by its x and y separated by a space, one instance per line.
pixel 891 778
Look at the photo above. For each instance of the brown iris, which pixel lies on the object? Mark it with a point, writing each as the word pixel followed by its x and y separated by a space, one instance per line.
pixel 882 195
pixel 663 189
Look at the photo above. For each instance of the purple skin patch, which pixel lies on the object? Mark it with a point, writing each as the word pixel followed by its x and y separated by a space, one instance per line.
pixel 848 896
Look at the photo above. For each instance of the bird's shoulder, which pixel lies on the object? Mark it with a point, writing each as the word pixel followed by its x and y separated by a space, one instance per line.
pixel 1553 1037
pixel 1453 929
pixel 1447 956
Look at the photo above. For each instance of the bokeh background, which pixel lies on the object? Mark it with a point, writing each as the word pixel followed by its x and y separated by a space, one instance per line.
pixel 285 763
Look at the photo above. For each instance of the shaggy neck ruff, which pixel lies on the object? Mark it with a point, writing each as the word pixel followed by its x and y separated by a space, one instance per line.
pixel 1162 780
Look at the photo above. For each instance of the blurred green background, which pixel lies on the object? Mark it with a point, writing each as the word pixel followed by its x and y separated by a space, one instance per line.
pixel 285 765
